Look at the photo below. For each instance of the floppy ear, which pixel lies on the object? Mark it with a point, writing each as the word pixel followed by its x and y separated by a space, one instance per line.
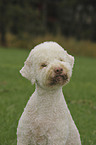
pixel 28 72
pixel 71 60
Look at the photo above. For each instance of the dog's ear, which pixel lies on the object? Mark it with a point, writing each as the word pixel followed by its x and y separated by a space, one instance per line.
pixel 27 71
pixel 71 60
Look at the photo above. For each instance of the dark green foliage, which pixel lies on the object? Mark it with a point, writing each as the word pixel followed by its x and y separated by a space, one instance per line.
pixel 36 17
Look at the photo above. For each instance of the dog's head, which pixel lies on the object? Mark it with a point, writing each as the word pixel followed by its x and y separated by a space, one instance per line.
pixel 48 65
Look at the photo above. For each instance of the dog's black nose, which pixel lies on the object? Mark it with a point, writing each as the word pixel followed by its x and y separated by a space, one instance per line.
pixel 58 70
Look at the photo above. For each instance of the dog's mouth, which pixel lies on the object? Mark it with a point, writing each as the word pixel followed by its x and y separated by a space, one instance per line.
pixel 58 80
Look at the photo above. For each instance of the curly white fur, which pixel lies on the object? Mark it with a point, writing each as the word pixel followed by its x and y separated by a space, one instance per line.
pixel 46 119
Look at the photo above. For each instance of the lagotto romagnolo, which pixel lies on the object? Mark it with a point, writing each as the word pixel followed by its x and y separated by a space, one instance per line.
pixel 46 119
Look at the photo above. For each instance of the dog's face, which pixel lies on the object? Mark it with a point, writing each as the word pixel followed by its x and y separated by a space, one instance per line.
pixel 49 65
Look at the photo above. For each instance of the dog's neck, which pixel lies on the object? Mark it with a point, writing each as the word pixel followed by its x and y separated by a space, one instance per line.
pixel 49 94
pixel 48 98
pixel 43 91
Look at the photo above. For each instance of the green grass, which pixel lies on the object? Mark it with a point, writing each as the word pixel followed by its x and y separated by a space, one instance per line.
pixel 15 91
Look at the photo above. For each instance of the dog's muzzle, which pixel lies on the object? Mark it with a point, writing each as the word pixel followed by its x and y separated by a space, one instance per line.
pixel 58 77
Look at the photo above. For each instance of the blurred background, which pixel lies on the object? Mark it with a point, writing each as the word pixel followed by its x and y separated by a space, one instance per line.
pixel 72 23
pixel 26 23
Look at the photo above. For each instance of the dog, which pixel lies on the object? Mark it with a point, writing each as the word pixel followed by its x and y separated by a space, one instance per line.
pixel 46 119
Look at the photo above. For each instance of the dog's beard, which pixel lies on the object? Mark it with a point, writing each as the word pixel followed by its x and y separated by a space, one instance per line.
pixel 58 80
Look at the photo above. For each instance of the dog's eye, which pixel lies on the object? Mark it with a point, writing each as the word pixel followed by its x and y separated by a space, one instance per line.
pixel 43 65
pixel 61 59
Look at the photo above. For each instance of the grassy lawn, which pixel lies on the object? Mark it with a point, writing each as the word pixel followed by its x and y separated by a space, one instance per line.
pixel 15 91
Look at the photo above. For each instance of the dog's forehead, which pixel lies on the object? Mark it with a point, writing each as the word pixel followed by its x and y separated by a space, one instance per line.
pixel 49 55
pixel 48 50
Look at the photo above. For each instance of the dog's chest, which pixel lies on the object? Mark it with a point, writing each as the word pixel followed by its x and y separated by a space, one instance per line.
pixel 50 126
pixel 49 131
pixel 48 122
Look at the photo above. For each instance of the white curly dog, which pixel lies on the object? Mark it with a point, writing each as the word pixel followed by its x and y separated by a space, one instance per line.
pixel 46 119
